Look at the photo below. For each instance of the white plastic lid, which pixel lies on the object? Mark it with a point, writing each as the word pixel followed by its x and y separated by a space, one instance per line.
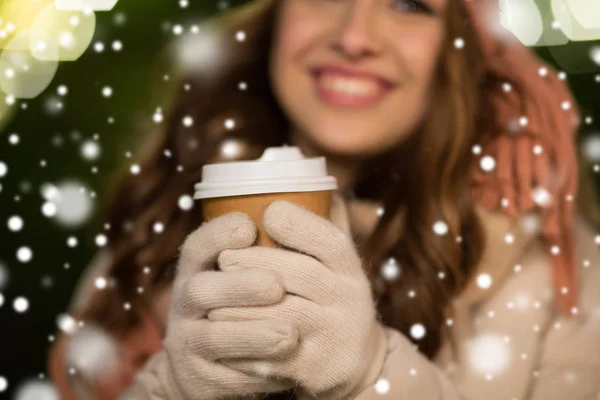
pixel 278 170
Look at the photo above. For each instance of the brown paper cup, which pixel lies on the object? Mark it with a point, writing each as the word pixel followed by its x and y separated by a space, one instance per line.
pixel 255 205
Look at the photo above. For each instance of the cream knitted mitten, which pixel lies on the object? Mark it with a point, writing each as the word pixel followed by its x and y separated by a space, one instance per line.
pixel 191 366
pixel 342 346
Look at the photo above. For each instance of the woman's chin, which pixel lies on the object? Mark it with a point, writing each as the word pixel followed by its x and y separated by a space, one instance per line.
pixel 358 145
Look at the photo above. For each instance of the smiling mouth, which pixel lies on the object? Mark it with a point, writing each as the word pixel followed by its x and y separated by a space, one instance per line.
pixel 348 90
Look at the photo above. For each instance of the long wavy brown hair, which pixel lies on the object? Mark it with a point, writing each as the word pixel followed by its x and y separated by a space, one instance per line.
pixel 428 176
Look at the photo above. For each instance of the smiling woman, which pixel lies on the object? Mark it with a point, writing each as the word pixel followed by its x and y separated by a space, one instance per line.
pixel 441 135
pixel 342 69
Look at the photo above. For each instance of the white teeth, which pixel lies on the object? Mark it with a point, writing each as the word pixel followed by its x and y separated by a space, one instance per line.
pixel 350 86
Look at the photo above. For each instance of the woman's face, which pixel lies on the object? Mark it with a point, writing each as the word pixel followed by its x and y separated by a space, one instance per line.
pixel 355 76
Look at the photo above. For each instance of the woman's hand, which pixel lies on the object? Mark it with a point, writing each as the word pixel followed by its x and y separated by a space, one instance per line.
pixel 197 347
pixel 342 346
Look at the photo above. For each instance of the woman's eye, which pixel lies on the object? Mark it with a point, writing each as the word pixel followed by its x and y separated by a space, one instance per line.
pixel 411 6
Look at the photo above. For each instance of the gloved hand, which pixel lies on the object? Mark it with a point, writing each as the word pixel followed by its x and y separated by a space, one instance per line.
pixel 191 367
pixel 342 346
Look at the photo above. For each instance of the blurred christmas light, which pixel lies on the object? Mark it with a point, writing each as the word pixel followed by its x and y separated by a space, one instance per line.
pixel 72 203
pixel 71 30
pixel 523 18
pixel 21 74
pixel 586 12
pixel 552 23
pixel 571 15
pixel 36 390
pixel 83 5
pixel 17 16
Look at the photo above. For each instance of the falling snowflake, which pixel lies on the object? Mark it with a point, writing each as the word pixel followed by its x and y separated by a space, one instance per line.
pixel 591 148
pixel 98 47
pixel 382 386
pixel 15 223
pixel 417 331
pixel 488 354
pixel 92 351
pixel 390 269
pixel 177 29
pixel 117 45
pixel 107 91
pixel 484 281
pixel 62 90
pixel 440 228
pixel 158 116
pixel 24 254
pixel 49 209
pixel 90 150
pixel 101 240
pixel 231 148
pixel 531 222
pixel 541 197
pixel 66 323
pixel 21 304
pixel 135 169
pixel 36 390
pixel 158 227
pixel 240 36
pixel 185 202
pixel 100 283
pixel 487 163
pixel 71 206
pixel 229 123
pixel 595 54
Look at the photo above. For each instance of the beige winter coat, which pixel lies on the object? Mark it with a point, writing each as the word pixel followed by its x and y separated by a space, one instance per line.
pixel 512 345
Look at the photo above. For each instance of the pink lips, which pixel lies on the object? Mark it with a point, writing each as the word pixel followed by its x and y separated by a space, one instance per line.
pixel 378 86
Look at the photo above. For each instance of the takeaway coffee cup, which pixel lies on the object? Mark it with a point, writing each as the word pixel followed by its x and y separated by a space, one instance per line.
pixel 281 173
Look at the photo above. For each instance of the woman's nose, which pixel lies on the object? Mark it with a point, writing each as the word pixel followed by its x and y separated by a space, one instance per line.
pixel 357 35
